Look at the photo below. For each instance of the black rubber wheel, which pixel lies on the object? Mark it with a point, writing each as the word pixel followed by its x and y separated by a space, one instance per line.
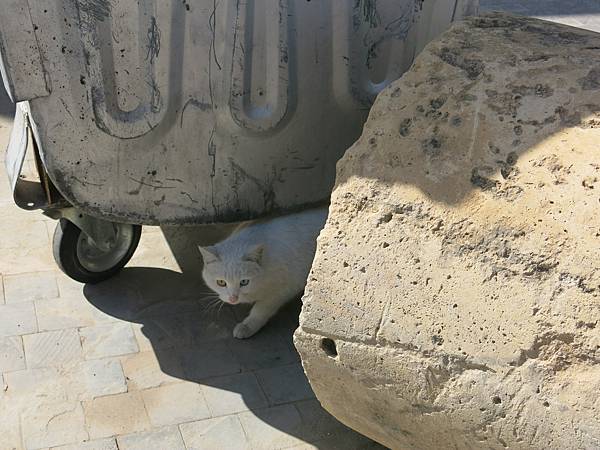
pixel 84 262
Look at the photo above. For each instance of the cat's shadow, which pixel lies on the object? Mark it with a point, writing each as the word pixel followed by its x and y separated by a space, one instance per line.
pixel 192 340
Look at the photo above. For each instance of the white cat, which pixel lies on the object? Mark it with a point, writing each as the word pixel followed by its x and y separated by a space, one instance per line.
pixel 265 262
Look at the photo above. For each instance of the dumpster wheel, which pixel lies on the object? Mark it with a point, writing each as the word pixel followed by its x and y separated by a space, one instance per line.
pixel 78 257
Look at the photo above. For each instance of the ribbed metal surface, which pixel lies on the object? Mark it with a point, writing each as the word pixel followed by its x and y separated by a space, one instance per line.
pixel 202 111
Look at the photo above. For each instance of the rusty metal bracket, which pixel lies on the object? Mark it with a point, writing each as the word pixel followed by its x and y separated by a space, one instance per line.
pixel 30 190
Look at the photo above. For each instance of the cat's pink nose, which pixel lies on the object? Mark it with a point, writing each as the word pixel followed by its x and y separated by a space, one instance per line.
pixel 233 299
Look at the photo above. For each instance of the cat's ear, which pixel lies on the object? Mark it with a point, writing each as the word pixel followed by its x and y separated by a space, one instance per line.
pixel 209 254
pixel 255 254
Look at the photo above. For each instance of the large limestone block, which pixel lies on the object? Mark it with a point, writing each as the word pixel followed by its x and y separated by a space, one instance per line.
pixel 454 299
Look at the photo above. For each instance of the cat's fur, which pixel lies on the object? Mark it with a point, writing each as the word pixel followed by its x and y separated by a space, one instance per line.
pixel 274 255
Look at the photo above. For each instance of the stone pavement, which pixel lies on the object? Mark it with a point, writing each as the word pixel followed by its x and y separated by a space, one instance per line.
pixel 142 361
pixel 576 13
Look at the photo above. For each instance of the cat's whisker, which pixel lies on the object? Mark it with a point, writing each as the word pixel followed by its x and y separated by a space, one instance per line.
pixel 213 304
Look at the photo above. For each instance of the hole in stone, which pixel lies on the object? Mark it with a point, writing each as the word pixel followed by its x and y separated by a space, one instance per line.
pixel 496 400
pixel 328 346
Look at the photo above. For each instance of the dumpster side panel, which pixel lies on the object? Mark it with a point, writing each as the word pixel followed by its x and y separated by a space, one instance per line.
pixel 21 63
pixel 191 112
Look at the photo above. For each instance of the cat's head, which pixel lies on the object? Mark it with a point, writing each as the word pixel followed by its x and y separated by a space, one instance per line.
pixel 232 276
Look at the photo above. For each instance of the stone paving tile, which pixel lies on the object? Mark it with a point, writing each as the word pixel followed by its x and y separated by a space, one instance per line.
pixel 154 251
pixel 32 387
pixel 67 287
pixel 128 296
pixel 53 424
pixel 151 229
pixel 108 340
pixel 143 342
pixel 10 430
pixel 317 422
pixel 175 403
pixel 100 444
pixel 265 349
pixel 223 433
pixel 68 312
pixel 9 211
pixel 212 360
pixel 285 384
pixel 17 319
pixel 191 328
pixel 273 428
pixel 52 348
pixel 168 438
pixel 241 312
pixel 12 356
pixel 98 378
pixel 81 381
pixel 233 394
pixel 143 370
pixel 115 414
pixel 16 234
pixel 28 258
pixel 349 440
pixel 296 426
pixel 7 112
pixel 5 189
pixel 11 435
pixel 30 286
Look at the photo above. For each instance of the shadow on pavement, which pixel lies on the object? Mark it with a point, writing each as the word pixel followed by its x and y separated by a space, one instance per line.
pixel 7 107
pixel 192 340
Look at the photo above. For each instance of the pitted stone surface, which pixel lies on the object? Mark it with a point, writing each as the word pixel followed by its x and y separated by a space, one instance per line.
pixel 454 299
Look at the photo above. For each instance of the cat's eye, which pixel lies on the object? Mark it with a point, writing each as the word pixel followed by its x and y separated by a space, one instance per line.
pixel 221 283
pixel 244 282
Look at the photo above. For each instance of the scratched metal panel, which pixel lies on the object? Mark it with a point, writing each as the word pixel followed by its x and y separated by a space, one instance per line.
pixel 20 59
pixel 214 110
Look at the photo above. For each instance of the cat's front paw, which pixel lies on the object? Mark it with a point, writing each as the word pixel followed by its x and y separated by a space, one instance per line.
pixel 243 331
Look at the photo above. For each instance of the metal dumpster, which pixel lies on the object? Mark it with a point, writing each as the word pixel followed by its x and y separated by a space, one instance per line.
pixel 192 111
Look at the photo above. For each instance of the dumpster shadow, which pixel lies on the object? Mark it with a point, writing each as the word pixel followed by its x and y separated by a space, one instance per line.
pixel 7 107
pixel 191 337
